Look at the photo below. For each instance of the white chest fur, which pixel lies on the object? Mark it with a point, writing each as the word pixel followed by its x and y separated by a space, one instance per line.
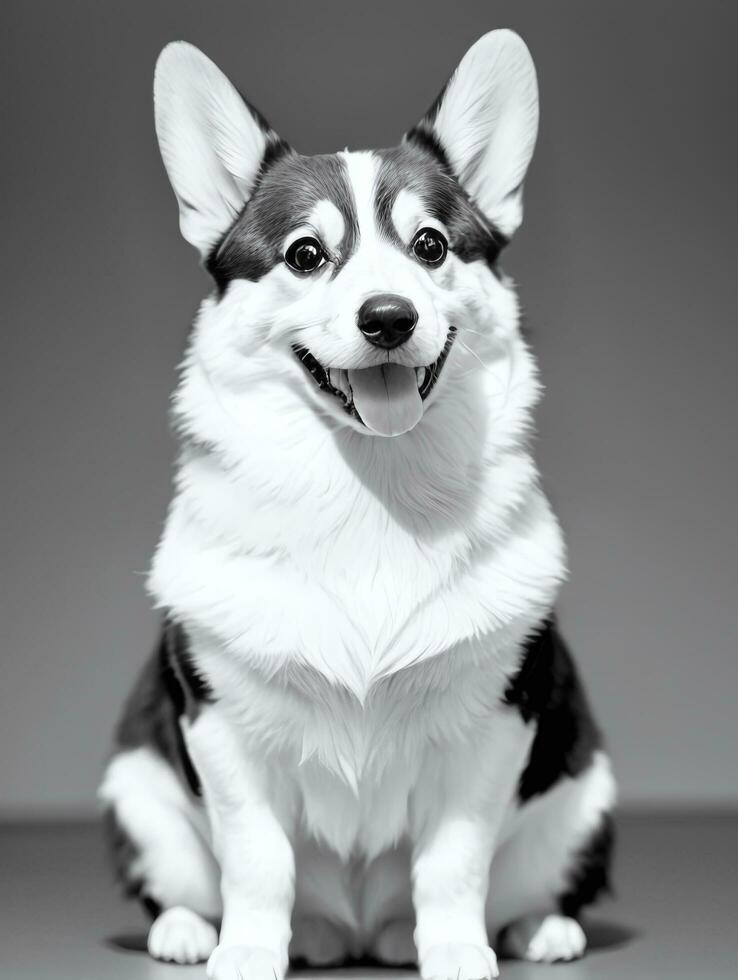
pixel 357 602
pixel 348 769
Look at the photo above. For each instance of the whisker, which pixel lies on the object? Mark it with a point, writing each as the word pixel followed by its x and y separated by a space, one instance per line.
pixel 474 354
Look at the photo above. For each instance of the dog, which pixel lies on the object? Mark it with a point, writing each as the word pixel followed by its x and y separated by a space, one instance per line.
pixel 361 733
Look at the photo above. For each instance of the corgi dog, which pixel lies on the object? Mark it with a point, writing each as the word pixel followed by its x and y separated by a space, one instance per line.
pixel 361 734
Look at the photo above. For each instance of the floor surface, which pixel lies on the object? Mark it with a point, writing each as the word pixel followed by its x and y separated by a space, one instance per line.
pixel 675 915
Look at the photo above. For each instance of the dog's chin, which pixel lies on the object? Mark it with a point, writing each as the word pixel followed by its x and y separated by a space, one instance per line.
pixel 387 399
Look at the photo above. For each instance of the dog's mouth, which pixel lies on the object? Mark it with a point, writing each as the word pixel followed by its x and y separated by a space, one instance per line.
pixel 387 398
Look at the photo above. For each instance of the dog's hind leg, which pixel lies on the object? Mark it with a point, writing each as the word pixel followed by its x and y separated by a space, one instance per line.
pixel 553 861
pixel 387 907
pixel 160 845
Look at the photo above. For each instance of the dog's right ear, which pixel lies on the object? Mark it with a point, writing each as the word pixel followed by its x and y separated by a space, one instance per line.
pixel 211 141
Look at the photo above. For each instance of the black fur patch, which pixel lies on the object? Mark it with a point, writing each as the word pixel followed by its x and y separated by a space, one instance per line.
pixel 416 167
pixel 289 187
pixel 424 137
pixel 187 688
pixel 547 690
pixel 123 852
pixel 167 688
pixel 590 874
pixel 424 133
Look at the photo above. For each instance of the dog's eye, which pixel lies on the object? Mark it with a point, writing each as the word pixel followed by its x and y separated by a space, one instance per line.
pixel 305 255
pixel 430 246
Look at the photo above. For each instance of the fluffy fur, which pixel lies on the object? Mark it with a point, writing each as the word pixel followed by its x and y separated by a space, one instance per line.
pixel 358 661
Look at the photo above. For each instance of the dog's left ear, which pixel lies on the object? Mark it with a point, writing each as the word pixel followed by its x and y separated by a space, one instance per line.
pixel 485 123
pixel 212 142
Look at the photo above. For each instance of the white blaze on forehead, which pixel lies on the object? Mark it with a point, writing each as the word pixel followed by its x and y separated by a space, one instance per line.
pixel 362 169
pixel 328 223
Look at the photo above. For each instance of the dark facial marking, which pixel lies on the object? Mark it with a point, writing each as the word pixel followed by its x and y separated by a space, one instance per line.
pixel 423 137
pixel 286 193
pixel 413 167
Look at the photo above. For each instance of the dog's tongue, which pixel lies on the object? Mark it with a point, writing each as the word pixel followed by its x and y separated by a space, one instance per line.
pixel 387 398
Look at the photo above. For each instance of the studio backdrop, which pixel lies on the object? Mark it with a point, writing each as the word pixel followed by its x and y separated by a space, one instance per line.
pixel 626 268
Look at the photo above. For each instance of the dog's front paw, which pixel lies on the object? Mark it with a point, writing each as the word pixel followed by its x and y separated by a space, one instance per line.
pixel 244 963
pixel 459 961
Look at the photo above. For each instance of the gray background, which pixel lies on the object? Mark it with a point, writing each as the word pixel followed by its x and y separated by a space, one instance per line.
pixel 626 266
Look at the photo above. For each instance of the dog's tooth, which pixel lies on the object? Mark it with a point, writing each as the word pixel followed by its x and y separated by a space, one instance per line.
pixel 339 380
pixel 420 373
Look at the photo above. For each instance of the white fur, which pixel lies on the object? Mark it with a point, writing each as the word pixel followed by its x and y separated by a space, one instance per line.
pixel 357 604
pixel 328 224
pixel 210 143
pixel 150 803
pixel 355 601
pixel 250 839
pixel 546 938
pixel 463 798
pixel 537 847
pixel 459 961
pixel 367 901
pixel 488 121
pixel 180 935
pixel 409 215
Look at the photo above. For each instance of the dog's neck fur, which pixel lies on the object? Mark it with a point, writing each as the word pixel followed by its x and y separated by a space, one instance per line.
pixel 294 540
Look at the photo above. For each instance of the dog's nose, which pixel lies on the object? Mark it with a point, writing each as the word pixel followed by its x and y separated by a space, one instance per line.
pixel 387 320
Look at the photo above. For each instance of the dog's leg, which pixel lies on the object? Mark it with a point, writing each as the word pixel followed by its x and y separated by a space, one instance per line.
pixel 458 811
pixel 253 848
pixel 159 842
pixel 554 860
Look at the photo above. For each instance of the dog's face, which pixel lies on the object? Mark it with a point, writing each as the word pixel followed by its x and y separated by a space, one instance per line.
pixel 353 275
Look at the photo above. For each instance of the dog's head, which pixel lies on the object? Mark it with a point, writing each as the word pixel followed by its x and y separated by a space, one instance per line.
pixel 369 278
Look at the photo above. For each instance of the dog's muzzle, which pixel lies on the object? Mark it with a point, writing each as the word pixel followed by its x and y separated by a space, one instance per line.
pixel 388 398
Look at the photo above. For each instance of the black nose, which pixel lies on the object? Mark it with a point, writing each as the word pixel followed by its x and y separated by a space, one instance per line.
pixel 387 320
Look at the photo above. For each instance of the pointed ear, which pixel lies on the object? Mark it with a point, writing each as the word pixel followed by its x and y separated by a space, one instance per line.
pixel 485 122
pixel 211 141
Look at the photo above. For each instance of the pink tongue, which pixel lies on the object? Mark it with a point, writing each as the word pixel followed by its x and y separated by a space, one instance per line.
pixel 387 398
